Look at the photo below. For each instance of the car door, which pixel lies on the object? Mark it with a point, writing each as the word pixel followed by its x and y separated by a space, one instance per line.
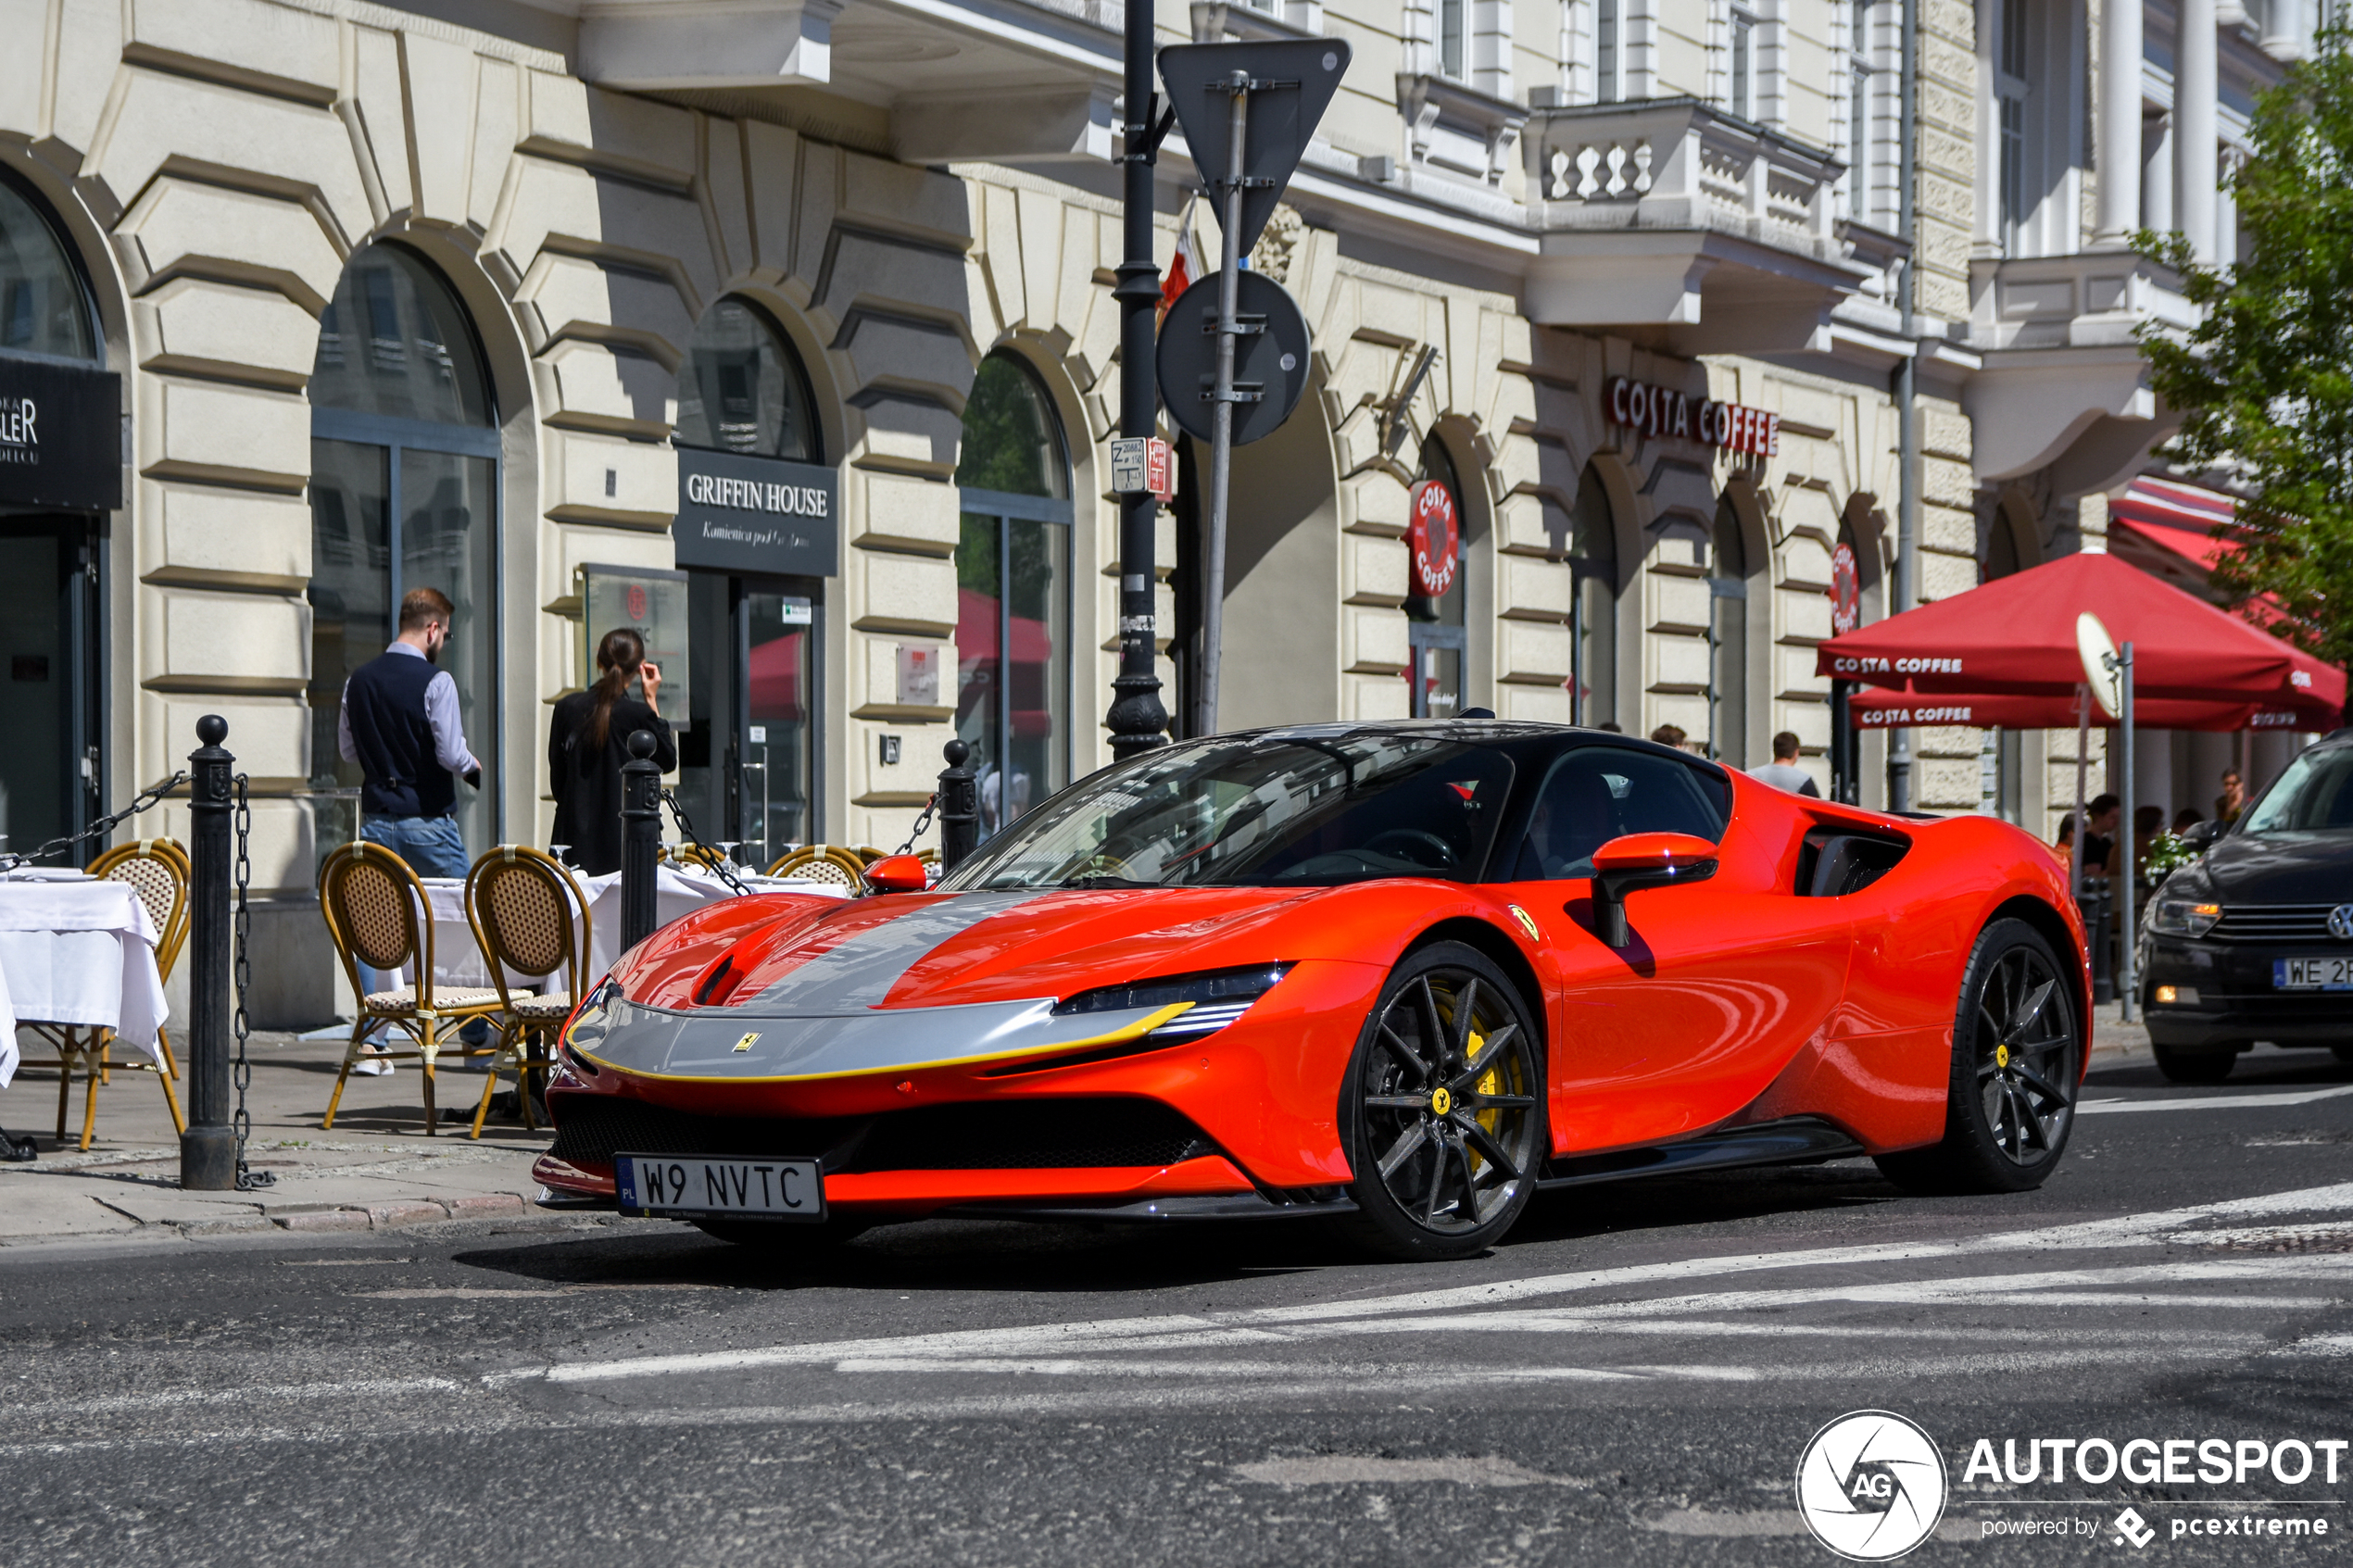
pixel 1721 984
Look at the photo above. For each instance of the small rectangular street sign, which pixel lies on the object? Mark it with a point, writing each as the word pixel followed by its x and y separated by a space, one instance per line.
pixel 1143 463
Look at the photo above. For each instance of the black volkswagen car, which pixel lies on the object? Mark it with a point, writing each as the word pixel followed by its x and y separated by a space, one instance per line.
pixel 2255 941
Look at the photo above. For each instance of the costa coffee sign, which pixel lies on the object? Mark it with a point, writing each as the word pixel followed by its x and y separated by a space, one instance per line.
pixel 1658 411
pixel 1433 536
pixel 1846 591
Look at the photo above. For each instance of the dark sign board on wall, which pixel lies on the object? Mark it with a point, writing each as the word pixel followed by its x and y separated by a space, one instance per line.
pixel 757 514
pixel 60 435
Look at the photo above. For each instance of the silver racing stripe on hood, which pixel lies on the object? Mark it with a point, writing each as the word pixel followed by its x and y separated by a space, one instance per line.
pixel 729 1045
pixel 860 972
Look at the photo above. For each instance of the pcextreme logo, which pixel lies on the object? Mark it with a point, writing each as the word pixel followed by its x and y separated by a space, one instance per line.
pixel 1870 1486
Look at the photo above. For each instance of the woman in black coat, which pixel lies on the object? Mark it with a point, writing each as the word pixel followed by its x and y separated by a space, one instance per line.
pixel 588 741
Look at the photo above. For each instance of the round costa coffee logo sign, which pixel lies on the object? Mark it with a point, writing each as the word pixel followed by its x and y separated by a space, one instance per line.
pixel 1870 1486
pixel 1433 533
pixel 1846 591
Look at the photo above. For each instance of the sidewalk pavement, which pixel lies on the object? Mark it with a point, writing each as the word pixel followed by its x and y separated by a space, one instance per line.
pixel 375 1171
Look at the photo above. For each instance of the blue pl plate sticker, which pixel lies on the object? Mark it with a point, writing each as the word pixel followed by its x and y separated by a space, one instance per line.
pixel 625 1173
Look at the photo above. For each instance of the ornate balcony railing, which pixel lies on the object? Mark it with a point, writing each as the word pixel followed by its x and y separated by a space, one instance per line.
pixel 1677 163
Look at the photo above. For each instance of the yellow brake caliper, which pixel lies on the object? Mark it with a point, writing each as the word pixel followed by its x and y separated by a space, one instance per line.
pixel 1489 1083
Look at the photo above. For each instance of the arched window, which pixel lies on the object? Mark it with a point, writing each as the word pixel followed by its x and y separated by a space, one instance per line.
pixel 404 493
pixel 60 466
pixel 743 389
pixel 748 738
pixel 1727 638
pixel 1593 610
pixel 1437 629
pixel 1013 592
pixel 44 307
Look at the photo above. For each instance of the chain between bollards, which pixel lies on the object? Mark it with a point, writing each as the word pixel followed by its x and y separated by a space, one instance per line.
pixel 640 840
pixel 208 1149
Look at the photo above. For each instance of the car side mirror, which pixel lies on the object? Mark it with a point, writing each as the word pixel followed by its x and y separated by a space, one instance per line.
pixel 1640 861
pixel 898 873
pixel 2198 837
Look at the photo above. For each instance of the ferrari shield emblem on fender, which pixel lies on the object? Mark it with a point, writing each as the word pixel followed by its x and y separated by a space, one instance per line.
pixel 747 1042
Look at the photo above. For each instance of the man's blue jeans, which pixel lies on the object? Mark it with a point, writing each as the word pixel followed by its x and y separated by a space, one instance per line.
pixel 431 845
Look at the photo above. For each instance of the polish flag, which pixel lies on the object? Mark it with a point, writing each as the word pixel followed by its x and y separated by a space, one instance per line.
pixel 1186 266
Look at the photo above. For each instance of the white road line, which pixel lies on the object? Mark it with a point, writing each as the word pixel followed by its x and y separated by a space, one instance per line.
pixel 367 1388
pixel 1262 1324
pixel 2208 1102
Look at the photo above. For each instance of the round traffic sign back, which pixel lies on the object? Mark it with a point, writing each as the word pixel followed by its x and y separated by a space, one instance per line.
pixel 1273 359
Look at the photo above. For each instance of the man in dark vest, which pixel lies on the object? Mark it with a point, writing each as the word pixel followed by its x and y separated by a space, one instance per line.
pixel 400 724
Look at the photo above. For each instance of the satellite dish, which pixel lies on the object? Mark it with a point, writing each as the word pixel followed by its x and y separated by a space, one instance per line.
pixel 2103 672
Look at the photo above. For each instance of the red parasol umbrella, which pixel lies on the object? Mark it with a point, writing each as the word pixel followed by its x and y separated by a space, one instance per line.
pixel 2016 636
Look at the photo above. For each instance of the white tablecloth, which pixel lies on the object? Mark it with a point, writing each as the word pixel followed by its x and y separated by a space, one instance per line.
pixel 78 953
pixel 458 960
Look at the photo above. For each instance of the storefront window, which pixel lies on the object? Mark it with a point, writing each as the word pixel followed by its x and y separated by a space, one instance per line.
pixel 748 746
pixel 51 780
pixel 1728 639
pixel 404 493
pixel 1013 592
pixel 743 389
pixel 1436 631
pixel 1594 609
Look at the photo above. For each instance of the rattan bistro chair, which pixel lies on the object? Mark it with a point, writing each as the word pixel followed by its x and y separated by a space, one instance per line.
pixel 821 863
pixel 157 870
pixel 375 911
pixel 520 904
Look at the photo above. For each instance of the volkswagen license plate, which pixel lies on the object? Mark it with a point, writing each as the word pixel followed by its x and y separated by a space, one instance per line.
pixel 2312 974
pixel 699 1186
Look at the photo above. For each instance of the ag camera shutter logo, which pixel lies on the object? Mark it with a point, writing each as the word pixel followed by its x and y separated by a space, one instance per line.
pixel 1870 1486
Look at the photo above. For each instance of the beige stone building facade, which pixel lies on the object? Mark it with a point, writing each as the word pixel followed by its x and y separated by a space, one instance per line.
pixel 502 307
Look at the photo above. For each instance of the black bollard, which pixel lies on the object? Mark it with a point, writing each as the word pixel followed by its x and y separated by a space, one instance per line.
pixel 959 807
pixel 208 1149
pixel 640 840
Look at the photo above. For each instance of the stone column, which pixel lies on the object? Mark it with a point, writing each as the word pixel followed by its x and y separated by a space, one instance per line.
pixel 2196 89
pixel 2156 174
pixel 2119 148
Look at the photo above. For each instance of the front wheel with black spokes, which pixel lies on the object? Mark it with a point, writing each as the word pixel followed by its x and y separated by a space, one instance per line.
pixel 2018 1059
pixel 1443 1108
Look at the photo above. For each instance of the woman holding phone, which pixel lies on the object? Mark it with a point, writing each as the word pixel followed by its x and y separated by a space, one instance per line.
pixel 588 741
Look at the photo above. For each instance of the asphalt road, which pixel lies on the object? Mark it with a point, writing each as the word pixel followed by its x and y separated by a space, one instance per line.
pixel 1631 1379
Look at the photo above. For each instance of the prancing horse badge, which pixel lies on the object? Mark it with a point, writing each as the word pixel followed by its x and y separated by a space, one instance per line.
pixel 746 1043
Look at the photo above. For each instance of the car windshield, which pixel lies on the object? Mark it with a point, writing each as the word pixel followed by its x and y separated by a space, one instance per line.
pixel 1257 810
pixel 2314 795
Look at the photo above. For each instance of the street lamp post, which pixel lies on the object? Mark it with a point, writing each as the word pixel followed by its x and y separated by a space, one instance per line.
pixel 1136 720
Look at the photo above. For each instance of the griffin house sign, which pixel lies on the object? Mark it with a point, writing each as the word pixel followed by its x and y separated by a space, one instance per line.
pixel 756 515
pixel 60 435
pixel 1660 411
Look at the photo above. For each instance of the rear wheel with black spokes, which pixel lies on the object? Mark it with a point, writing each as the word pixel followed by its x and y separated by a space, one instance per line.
pixel 1443 1108
pixel 2018 1059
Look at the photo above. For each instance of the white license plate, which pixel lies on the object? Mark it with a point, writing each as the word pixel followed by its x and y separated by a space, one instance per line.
pixel 2312 974
pixel 698 1187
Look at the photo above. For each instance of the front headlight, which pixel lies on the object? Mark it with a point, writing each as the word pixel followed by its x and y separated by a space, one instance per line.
pixel 2183 917
pixel 1219 998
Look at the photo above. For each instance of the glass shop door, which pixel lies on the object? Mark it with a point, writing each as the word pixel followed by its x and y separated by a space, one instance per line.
pixel 748 762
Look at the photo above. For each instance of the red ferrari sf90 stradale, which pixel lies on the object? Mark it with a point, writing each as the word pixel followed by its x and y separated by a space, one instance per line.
pixel 1402 974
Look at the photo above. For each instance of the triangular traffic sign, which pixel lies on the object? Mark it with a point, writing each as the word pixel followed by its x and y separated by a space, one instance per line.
pixel 1293 80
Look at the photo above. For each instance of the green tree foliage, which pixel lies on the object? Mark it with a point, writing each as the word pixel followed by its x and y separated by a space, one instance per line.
pixel 2265 381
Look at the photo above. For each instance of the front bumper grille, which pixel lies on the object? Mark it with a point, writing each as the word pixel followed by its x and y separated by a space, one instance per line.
pixel 2274 922
pixel 984 1135
pixel 596 1128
